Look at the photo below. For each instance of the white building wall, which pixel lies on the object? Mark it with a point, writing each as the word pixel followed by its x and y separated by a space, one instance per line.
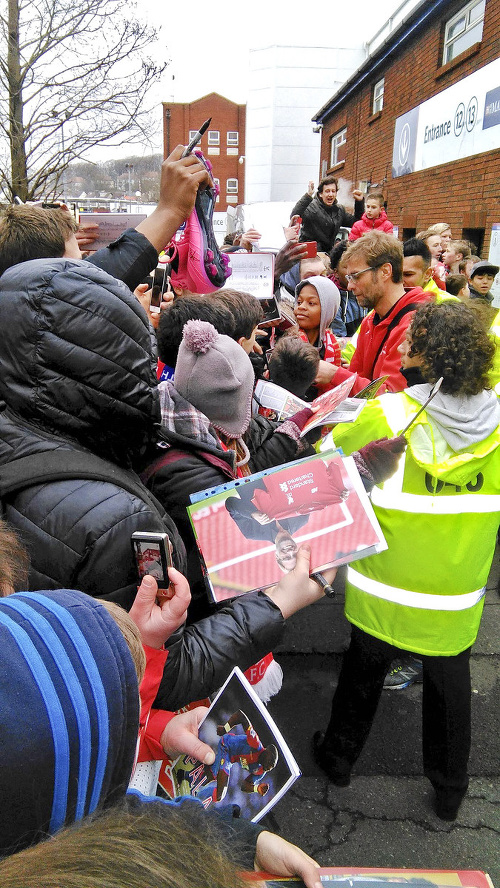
pixel 288 84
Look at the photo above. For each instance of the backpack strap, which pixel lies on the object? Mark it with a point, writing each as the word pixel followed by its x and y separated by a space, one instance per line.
pixel 412 306
pixel 59 464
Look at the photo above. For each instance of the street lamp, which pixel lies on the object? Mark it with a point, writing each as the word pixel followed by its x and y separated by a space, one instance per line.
pixel 129 167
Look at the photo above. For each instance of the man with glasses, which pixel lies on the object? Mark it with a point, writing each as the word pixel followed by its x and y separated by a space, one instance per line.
pixel 373 267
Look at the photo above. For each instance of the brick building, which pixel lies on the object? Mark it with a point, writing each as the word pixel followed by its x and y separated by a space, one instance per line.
pixel 420 120
pixel 223 143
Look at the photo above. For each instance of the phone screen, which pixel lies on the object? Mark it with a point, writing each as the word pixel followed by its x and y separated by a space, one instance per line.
pixel 152 554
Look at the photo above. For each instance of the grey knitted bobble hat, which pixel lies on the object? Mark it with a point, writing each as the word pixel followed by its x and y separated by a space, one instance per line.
pixel 216 376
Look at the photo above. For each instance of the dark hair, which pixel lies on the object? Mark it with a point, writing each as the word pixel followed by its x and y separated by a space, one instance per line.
pixel 189 308
pixel 337 254
pixel 377 248
pixel 30 233
pixel 14 560
pixel 415 246
pixel 293 364
pixel 329 180
pixel 120 848
pixel 455 282
pixel 452 343
pixel 246 310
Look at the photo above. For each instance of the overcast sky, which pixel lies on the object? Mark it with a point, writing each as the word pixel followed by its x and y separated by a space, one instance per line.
pixel 209 43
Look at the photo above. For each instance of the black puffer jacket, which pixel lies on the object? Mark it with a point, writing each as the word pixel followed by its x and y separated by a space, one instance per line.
pixel 321 223
pixel 76 371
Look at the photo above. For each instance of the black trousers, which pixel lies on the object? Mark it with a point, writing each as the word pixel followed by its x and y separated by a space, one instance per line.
pixel 446 710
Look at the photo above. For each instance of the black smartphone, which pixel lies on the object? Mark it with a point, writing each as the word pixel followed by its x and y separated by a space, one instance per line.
pixel 160 284
pixel 153 554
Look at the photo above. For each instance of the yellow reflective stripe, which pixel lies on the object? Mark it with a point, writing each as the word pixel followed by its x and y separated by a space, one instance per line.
pixel 406 597
pixel 434 504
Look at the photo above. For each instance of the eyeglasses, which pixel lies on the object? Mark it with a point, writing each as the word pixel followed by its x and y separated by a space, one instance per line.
pixel 353 277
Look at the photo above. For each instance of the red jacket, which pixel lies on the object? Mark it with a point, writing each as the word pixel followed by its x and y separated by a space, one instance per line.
pixel 370 363
pixel 300 489
pixel 365 225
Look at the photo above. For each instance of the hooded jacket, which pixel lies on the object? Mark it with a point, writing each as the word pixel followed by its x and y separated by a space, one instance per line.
pixel 69 718
pixel 364 225
pixel 77 372
pixel 440 515
pixel 329 300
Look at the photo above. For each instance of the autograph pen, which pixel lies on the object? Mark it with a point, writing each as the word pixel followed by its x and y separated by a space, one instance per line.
pixel 197 138
pixel 327 588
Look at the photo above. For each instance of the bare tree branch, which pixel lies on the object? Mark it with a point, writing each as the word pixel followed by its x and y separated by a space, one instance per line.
pixel 72 75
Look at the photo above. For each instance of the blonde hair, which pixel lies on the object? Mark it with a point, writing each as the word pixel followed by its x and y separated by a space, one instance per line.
pixel 439 228
pixel 131 635
pixel 117 849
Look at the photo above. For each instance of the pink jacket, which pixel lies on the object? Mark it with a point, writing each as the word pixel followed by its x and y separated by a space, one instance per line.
pixel 365 225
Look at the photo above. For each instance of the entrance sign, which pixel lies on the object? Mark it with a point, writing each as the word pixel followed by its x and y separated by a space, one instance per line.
pixel 459 122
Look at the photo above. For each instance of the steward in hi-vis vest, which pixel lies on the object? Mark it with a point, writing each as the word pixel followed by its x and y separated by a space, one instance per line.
pixel 439 513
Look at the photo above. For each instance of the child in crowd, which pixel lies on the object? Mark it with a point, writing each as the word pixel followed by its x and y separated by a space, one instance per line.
pixel 444 232
pixel 67 667
pixel 293 364
pixel 456 251
pixel 433 241
pixel 466 265
pixel 374 218
pixel 209 438
pixel 317 301
pixel 481 280
pixel 458 285
pixel 247 314
pixel 172 320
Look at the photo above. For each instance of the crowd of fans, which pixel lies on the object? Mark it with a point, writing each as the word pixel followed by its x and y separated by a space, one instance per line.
pixel 112 416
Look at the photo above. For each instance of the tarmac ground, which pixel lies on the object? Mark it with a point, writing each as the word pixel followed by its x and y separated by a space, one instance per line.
pixel 384 818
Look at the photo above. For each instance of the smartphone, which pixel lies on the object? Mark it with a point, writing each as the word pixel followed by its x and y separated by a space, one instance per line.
pixel 312 249
pixel 153 554
pixel 160 284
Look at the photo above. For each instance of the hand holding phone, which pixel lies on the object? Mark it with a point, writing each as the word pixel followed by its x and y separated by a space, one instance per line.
pixel 160 285
pixel 312 249
pixel 163 596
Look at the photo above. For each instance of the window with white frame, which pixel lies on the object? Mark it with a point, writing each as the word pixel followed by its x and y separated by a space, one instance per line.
pixel 232 186
pixel 378 96
pixel 463 30
pixel 213 137
pixel 338 146
pixel 233 138
pixel 192 134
